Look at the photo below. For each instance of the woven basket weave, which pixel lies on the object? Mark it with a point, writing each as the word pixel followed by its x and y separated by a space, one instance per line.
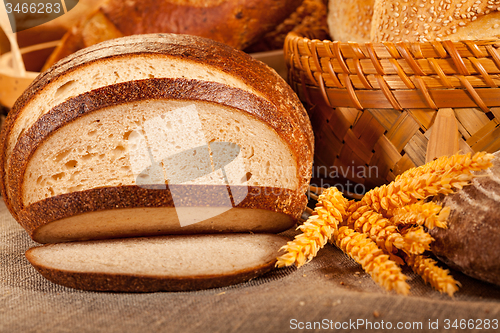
pixel 372 106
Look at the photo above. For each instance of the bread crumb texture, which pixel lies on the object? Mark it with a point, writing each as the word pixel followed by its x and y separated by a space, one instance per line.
pixel 95 150
pixel 113 71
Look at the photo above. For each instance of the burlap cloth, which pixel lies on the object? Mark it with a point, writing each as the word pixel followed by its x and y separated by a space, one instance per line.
pixel 331 289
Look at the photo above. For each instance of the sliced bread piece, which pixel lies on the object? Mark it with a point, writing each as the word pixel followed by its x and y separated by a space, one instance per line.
pixel 110 119
pixel 128 211
pixel 168 263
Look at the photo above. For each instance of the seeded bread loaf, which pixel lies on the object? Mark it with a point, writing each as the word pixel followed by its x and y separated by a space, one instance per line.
pixel 72 144
pixel 350 20
pixel 422 21
pixel 166 263
pixel 237 23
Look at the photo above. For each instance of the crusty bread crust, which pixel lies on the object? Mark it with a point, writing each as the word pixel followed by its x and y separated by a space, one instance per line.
pixel 97 28
pixel 43 212
pixel 292 117
pixel 471 241
pixel 237 23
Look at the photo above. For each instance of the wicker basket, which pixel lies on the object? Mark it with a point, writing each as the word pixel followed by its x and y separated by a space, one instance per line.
pixel 373 106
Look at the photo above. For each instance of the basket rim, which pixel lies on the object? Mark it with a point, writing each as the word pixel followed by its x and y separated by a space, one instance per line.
pixel 303 35
pixel 396 75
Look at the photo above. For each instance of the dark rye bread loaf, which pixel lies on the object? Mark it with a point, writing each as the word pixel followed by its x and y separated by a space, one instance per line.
pixel 67 151
pixel 471 242
pixel 166 263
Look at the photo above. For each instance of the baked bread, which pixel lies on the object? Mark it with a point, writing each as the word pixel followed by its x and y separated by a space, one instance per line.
pixel 166 263
pixel 71 166
pixel 422 21
pixel 471 242
pixel 237 23
pixel 309 16
pixel 93 30
pixel 350 20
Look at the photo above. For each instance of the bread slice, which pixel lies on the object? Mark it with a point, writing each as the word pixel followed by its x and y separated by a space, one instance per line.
pixel 90 128
pixel 168 263
pixel 128 211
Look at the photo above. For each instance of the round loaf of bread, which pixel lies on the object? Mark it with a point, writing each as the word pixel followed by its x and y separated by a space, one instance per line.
pixel 350 20
pixel 156 134
pixel 422 21
pixel 237 23
pixel 472 240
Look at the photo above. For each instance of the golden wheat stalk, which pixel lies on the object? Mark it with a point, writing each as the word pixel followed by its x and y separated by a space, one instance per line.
pixel 434 275
pixel 416 240
pixel 379 229
pixel 441 176
pixel 317 230
pixel 461 163
pixel 355 212
pixel 374 261
pixel 429 214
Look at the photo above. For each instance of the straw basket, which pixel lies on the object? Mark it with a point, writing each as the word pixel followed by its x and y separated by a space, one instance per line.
pixel 374 106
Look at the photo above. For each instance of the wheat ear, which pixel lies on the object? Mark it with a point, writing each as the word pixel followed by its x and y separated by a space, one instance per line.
pixel 434 275
pixel 416 240
pixel 442 176
pixel 429 214
pixel 374 261
pixel 317 230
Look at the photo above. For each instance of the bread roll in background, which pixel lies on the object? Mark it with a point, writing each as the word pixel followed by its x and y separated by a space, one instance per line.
pixel 350 20
pixel 238 23
pixel 309 16
pixel 427 20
